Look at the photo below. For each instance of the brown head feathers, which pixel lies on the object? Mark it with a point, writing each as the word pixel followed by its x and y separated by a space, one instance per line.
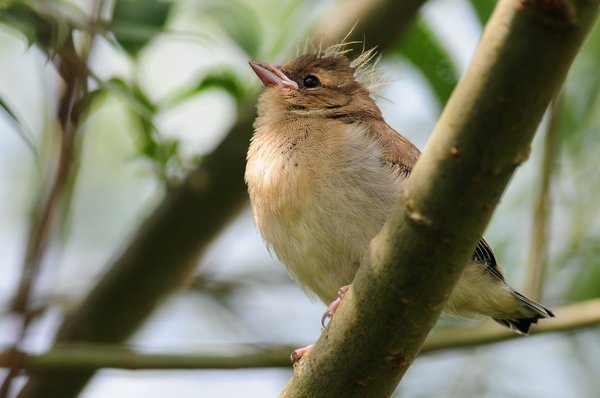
pixel 364 66
pixel 323 83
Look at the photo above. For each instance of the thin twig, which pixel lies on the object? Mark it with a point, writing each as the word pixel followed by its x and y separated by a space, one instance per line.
pixel 538 255
pixel 72 69
pixel 77 357
pixel 568 318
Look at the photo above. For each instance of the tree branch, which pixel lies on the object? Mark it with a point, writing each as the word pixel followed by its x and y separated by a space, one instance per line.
pixel 74 357
pixel 378 22
pixel 538 255
pixel 569 317
pixel 483 134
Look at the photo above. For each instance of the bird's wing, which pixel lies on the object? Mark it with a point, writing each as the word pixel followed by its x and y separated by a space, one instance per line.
pixel 398 151
pixel 484 254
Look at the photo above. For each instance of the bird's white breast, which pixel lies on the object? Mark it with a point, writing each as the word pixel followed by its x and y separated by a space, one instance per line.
pixel 318 197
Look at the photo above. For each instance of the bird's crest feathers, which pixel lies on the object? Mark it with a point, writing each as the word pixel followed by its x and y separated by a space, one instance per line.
pixel 364 66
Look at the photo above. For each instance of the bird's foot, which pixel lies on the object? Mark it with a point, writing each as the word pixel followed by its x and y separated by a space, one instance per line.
pixel 334 304
pixel 299 353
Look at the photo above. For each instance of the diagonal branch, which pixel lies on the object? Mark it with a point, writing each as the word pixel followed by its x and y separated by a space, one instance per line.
pixel 166 247
pixel 378 22
pixel 483 134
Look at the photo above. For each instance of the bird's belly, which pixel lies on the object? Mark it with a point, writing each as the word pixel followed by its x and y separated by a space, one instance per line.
pixel 321 256
pixel 319 202
pixel 320 226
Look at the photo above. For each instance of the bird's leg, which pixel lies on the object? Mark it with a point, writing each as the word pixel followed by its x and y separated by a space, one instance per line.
pixel 300 352
pixel 334 304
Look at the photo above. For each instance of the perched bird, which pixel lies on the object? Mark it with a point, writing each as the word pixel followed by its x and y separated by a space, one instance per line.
pixel 323 173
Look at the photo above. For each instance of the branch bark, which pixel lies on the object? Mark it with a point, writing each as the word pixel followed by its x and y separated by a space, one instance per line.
pixel 166 247
pixel 483 134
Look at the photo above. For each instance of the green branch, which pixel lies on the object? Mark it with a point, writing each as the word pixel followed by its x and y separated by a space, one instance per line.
pixel 412 265
pixel 538 255
pixel 77 357
pixel 568 318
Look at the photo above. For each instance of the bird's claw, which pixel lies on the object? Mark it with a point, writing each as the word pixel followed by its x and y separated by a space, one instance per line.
pixel 334 305
pixel 298 353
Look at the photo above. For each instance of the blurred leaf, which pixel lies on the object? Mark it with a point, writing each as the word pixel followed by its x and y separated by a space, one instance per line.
pixel 22 18
pixel 579 181
pixel 19 128
pixel 46 24
pixel 162 152
pixel 425 52
pixel 585 259
pixel 37 29
pixel 136 22
pixel 239 21
pixel 582 96
pixel 222 78
pixel 483 9
pixel 139 102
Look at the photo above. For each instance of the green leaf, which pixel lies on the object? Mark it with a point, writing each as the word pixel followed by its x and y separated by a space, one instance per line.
pixel 581 94
pixel 483 9
pixel 239 21
pixel 21 18
pixel 136 22
pixel 163 153
pixel 136 98
pixel 221 78
pixel 19 128
pixel 45 24
pixel 425 52
pixel 586 284
pixel 34 27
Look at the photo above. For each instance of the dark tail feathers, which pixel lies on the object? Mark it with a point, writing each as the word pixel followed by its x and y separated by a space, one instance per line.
pixel 532 311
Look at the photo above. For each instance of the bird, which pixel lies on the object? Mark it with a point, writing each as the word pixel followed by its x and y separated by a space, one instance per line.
pixel 323 172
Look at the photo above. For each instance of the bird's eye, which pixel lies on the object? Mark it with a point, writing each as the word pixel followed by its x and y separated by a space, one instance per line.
pixel 311 81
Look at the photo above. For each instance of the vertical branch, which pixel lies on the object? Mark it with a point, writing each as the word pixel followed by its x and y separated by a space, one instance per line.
pixel 44 219
pixel 73 70
pixel 538 254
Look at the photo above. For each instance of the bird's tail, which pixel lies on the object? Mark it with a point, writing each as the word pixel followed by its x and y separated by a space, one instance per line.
pixel 532 311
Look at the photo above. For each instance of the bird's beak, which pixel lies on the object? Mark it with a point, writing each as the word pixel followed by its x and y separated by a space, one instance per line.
pixel 272 75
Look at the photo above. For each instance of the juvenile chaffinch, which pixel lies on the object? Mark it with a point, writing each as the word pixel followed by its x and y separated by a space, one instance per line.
pixel 324 171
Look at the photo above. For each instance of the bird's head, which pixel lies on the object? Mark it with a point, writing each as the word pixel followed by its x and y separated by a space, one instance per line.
pixel 318 85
